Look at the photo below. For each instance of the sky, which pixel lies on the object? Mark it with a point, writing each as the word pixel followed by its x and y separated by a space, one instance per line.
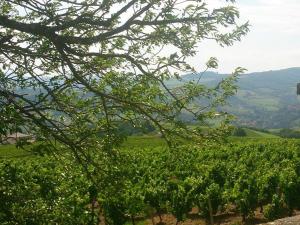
pixel 272 43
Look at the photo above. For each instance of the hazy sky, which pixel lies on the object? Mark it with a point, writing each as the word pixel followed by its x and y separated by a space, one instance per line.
pixel 272 43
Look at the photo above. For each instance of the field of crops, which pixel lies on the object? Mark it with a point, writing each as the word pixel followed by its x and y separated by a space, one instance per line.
pixel 149 182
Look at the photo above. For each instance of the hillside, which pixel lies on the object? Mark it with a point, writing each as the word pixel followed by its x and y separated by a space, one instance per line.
pixel 258 134
pixel 264 99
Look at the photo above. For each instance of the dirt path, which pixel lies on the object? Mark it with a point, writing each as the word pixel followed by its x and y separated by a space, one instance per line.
pixel 285 221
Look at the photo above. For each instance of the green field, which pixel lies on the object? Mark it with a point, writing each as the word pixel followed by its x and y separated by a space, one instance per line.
pixel 150 179
pixel 144 141
pixel 250 159
pixel 11 151
pixel 259 134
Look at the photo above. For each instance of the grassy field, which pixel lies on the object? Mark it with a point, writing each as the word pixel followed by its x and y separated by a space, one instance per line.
pixel 144 141
pixel 258 134
pixel 11 151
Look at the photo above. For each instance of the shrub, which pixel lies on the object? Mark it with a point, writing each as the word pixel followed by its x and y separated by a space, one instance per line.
pixel 289 133
pixel 239 132
pixel 275 209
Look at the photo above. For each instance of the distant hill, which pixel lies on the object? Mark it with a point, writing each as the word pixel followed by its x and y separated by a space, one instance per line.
pixel 264 99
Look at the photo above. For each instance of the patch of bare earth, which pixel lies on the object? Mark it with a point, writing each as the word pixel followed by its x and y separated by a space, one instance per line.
pixel 286 221
pixel 228 218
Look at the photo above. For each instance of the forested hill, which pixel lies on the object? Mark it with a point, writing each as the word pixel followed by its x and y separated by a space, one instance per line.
pixel 264 99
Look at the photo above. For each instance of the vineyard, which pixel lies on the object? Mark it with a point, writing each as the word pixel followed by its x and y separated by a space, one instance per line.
pixel 144 183
pixel 117 118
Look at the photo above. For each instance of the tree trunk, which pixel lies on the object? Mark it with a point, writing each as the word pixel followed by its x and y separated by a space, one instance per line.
pixel 93 212
pixel 244 218
pixel 160 218
pixel 132 220
pixel 211 217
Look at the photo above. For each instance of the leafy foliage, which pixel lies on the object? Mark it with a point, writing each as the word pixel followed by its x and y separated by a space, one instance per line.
pixel 41 191
pixel 75 70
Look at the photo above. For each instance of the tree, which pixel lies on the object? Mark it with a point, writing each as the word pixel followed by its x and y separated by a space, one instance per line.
pixel 239 132
pixel 73 69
